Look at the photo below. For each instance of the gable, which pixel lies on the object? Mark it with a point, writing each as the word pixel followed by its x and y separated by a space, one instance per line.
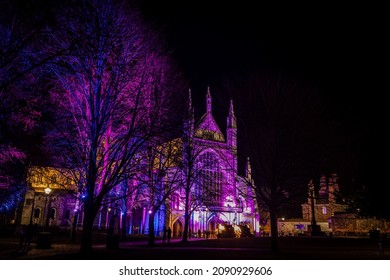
pixel 208 129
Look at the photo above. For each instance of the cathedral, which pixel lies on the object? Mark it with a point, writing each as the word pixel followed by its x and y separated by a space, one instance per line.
pixel 219 196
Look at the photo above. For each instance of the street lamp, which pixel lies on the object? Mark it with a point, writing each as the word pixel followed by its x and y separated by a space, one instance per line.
pixel 47 192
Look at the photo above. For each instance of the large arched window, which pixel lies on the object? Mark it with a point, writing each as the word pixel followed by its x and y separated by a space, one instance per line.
pixel 211 178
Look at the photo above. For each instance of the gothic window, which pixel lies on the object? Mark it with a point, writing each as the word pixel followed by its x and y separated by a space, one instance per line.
pixel 28 202
pixel 52 213
pixel 324 210
pixel 211 178
pixel 176 202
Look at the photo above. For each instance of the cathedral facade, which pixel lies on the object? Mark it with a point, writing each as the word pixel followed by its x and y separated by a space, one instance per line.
pixel 227 197
pixel 218 195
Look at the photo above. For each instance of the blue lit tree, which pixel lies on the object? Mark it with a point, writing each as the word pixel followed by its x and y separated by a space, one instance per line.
pixel 22 30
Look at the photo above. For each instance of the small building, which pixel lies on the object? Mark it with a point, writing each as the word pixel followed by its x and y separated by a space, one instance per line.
pixel 332 217
pixel 51 197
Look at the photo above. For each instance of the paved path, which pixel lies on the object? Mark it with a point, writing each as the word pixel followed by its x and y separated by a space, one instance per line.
pixel 291 248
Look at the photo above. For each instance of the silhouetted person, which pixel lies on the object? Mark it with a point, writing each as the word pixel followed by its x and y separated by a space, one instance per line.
pixel 164 234
pixel 169 232
pixel 199 233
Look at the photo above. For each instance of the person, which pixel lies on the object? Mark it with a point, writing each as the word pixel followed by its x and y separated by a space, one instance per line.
pixel 169 232
pixel 199 233
pixel 189 234
pixel 164 234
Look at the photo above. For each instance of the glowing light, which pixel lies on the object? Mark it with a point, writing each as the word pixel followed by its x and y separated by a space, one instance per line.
pixel 150 211
pixel 237 230
pixel 221 227
pixel 48 190
pixel 109 209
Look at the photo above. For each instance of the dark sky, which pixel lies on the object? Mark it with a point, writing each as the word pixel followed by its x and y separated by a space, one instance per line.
pixel 340 48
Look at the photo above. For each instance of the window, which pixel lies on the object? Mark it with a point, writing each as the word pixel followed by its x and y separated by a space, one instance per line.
pixel 28 202
pixel 324 210
pixel 211 177
pixel 175 201
pixel 52 213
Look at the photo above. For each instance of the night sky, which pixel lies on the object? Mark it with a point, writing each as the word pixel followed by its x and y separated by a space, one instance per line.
pixel 339 48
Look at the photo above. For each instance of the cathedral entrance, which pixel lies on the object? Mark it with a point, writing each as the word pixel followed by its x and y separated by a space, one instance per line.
pixel 213 225
pixel 177 229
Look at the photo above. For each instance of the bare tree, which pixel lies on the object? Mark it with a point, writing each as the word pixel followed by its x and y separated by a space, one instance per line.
pixel 109 105
pixel 21 31
pixel 282 122
pixel 159 178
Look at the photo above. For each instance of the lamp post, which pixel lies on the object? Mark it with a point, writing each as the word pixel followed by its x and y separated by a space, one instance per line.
pixel 47 192
pixel 44 238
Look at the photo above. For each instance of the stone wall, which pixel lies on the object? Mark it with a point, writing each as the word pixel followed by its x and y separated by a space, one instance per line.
pixel 349 224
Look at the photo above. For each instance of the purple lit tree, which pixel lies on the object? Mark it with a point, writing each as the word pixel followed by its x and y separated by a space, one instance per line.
pixel 111 99
pixel 283 120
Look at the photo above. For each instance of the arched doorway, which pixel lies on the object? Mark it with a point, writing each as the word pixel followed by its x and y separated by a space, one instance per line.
pixel 177 228
pixel 213 222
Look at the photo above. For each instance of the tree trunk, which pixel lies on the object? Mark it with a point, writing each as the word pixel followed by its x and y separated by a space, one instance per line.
pixel 274 231
pixel 186 217
pixel 124 225
pixel 90 211
pixel 151 229
pixel 86 237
